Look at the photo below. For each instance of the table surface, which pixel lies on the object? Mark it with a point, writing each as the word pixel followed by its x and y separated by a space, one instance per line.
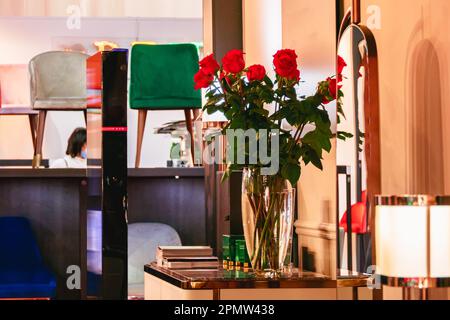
pixel 21 172
pixel 239 279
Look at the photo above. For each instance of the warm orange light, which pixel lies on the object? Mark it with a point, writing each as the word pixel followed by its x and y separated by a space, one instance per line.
pixel 105 45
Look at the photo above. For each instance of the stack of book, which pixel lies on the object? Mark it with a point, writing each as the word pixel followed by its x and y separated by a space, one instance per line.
pixel 186 258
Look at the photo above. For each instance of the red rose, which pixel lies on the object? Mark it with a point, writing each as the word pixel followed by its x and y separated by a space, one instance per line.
pixel 256 73
pixel 295 75
pixel 209 65
pixel 341 65
pixel 333 89
pixel 203 79
pixel 285 62
pixel 234 62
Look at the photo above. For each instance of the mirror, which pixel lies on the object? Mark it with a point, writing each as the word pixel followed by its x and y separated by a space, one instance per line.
pixel 82 26
pixel 358 155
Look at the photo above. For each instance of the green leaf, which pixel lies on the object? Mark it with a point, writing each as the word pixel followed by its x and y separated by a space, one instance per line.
pixel 311 156
pixel 261 111
pixel 318 141
pixel 291 172
pixel 268 81
pixel 345 135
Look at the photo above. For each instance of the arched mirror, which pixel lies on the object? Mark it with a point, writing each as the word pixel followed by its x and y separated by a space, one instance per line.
pixel 358 147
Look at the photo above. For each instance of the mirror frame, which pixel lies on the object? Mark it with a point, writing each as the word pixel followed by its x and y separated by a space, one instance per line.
pixel 371 114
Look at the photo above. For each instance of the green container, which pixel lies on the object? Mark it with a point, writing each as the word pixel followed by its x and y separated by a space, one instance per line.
pixel 226 249
pixel 241 255
pixel 229 248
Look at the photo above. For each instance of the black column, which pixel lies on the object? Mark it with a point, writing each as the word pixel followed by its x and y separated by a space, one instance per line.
pixel 114 175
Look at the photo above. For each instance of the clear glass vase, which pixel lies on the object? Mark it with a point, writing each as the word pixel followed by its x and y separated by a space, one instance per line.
pixel 268 204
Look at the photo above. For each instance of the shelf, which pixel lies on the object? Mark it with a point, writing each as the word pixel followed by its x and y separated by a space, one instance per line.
pixel 17 172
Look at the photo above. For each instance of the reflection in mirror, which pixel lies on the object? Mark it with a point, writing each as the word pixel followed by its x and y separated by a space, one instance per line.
pixel 101 24
pixel 354 196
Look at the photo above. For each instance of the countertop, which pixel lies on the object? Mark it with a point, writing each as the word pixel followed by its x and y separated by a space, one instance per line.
pixel 17 172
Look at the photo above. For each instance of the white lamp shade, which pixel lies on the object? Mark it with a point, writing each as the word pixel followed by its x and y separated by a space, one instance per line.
pixel 440 241
pixel 401 241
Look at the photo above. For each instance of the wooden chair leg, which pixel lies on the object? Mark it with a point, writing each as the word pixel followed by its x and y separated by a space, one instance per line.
pixel 198 138
pixel 33 118
pixel 140 136
pixel 196 114
pixel 190 128
pixel 39 139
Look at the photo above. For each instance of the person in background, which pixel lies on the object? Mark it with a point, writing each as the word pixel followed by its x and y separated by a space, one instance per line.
pixel 76 154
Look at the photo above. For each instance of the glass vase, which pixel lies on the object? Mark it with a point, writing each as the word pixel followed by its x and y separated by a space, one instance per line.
pixel 268 204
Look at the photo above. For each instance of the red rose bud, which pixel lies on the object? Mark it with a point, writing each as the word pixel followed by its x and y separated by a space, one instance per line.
pixel 256 73
pixel 203 79
pixel 209 65
pixel 233 62
pixel 285 62
pixel 341 65
pixel 333 89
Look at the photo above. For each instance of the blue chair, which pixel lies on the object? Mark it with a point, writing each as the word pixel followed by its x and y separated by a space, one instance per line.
pixel 23 274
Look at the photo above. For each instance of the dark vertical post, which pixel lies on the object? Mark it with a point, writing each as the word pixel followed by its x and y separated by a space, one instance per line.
pixel 225 19
pixel 227 25
pixel 356 11
pixel 349 223
pixel 339 16
pixel 114 175
pixel 83 237
pixel 345 170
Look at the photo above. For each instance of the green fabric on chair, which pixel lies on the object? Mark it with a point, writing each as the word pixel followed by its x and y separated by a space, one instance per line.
pixel 162 77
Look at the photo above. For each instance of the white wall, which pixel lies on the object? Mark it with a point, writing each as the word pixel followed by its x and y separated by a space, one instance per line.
pixel 309 28
pixel 24 37
pixel 104 8
pixel 262 32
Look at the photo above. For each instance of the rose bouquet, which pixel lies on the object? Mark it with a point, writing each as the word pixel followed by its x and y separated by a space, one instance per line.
pixel 243 95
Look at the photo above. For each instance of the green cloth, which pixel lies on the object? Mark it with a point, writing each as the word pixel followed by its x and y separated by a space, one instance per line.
pixel 162 77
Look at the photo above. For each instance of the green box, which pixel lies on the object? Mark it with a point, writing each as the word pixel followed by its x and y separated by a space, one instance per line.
pixel 241 254
pixel 229 248
pixel 226 248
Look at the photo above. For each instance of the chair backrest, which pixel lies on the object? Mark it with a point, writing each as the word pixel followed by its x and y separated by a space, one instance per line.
pixel 58 75
pixel 162 76
pixel 14 84
pixel 18 247
pixel 359 216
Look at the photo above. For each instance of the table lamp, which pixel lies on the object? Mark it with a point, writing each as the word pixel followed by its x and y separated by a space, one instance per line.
pixel 412 241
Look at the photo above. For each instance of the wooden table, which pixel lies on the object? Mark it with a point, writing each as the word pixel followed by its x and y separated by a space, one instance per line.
pixel 223 284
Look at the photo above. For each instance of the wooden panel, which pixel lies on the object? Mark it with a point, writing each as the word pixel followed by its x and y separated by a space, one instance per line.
pixel 223 31
pixel 227 26
pixel 179 203
pixel 53 209
pixel 228 207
